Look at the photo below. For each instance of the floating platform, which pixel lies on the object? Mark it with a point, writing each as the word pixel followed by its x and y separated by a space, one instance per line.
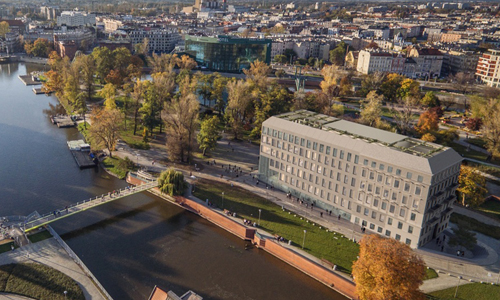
pixel 62 121
pixel 83 159
pixel 29 80
pixel 39 91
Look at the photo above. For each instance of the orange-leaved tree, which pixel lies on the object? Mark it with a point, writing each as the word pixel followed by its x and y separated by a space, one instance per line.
pixel 387 270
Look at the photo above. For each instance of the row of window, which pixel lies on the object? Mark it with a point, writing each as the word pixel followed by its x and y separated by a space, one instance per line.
pixel 380 230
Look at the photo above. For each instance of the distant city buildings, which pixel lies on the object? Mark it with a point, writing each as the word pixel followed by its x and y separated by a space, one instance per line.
pixel 76 18
pixel 386 183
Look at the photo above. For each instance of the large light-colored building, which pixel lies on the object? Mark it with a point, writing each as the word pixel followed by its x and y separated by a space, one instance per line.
pixel 429 61
pixel 488 68
pixel 371 61
pixel 75 18
pixel 385 182
pixel 160 40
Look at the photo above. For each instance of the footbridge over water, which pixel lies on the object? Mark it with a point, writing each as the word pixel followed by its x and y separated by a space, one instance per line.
pixel 36 220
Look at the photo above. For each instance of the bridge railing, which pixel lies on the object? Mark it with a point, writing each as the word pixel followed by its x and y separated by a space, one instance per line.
pixel 75 257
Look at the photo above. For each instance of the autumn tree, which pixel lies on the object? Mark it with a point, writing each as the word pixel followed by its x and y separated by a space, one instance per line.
pixel 162 63
pixel 171 182
pixel 54 83
pixel 371 82
pixel 104 131
pixel 391 86
pixel 387 270
pixel 218 92
pixel 137 96
pixel 80 107
pixel 330 80
pixel 428 122
pixel 181 119
pixel 104 62
pixel 4 29
pixel 345 86
pixel 371 109
pixel 257 77
pixel 472 186
pixel 108 92
pixel 87 68
pixel 239 102
pixel 209 134
pixel 186 63
pixel 205 86
pixel 276 100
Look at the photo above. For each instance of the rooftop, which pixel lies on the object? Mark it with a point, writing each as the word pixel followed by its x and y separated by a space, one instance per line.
pixel 369 134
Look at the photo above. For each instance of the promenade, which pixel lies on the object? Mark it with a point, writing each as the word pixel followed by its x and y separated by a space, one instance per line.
pixel 50 253
pixel 483 267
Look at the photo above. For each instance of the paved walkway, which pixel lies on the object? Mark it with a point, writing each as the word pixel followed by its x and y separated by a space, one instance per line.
pixel 48 252
pixel 5 296
pixel 482 268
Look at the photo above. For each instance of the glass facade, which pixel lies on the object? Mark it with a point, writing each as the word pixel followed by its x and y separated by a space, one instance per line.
pixel 227 53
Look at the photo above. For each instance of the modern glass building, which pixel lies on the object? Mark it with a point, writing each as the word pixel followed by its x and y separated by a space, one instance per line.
pixel 388 183
pixel 227 53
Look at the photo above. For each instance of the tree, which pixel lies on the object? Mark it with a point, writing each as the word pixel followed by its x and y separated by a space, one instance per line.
pixel 372 45
pixel 40 48
pixel 391 86
pixel 428 137
pixel 104 62
pixel 428 122
pixel 86 66
pixel 463 237
pixel 80 106
pixel 337 110
pixel 142 48
pixel 108 92
pixel 474 124
pixel 54 83
pixel 490 115
pixel 329 83
pixel 209 133
pixel 239 102
pixel 430 100
pixel 290 54
pixel 371 82
pixel 280 58
pixel 345 86
pixel 387 270
pixel 371 109
pixel 280 73
pixel 186 63
pixel 104 131
pixel 218 92
pixel 447 137
pixel 274 101
pixel 471 186
pixel 181 119
pixel 205 86
pixel 171 182
pixel 162 63
pixel 4 29
pixel 462 81
pixel 337 55
pixel 410 89
pixel 404 113
pixel 257 76
pixel 137 97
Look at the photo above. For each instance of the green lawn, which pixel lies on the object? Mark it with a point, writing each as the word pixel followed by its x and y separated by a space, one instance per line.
pixel 84 129
pixel 477 142
pixel 430 274
pixel 133 141
pixel 118 166
pixel 39 282
pixel 491 207
pixel 471 291
pixel 475 225
pixel 39 236
pixel 469 154
pixel 320 243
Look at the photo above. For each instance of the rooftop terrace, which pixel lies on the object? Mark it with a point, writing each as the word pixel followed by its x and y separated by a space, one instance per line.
pixel 369 134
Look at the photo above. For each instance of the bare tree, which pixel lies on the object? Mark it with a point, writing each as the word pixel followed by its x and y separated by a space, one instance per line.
pixel 239 101
pixel 403 114
pixel 462 81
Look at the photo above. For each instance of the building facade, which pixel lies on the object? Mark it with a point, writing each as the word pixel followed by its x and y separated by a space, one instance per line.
pixel 371 61
pixel 227 53
pixel 75 18
pixel 387 183
pixel 160 40
pixel 488 68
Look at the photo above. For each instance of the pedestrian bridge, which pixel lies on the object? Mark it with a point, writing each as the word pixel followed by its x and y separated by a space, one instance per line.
pixel 36 220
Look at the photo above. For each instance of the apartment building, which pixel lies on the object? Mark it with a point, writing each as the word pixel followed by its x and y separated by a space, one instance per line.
pixel 488 68
pixel 160 40
pixel 385 182
pixel 75 18
pixel 371 61
pixel 429 61
pixel 459 61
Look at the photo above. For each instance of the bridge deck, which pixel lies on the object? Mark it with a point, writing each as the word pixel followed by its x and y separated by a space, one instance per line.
pixel 86 204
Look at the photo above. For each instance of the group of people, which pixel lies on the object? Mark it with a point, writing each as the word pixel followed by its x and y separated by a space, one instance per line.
pixel 280 238
pixel 249 223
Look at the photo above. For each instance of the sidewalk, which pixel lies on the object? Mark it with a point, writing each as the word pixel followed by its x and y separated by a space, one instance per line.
pixel 49 253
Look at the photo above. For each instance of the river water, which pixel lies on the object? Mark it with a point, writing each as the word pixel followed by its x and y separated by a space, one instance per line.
pixel 134 243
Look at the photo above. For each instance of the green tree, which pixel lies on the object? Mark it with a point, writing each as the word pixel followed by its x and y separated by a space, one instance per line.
pixel 86 66
pixel 137 96
pixel 104 131
pixel 103 58
pixel 280 58
pixel 239 102
pixel 391 86
pixel 337 55
pixel 80 106
pixel 371 109
pixel 205 86
pixel 337 110
pixel 218 92
pixel 108 92
pixel 274 101
pixel 41 48
pixel 151 108
pixel 471 186
pixel 171 182
pixel 208 134
pixel 430 100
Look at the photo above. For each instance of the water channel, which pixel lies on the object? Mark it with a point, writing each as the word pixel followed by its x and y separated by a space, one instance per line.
pixel 134 243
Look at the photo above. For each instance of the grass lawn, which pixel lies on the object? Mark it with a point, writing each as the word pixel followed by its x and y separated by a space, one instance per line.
pixel 84 129
pixel 38 281
pixel 39 236
pixel 475 225
pixel 495 171
pixel 430 274
pixel 134 141
pixel 477 142
pixel 491 207
pixel 471 291
pixel 469 154
pixel 320 243
pixel 118 166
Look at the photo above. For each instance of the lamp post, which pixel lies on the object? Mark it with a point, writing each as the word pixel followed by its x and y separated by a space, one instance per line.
pixel 137 156
pixel 260 210
pixel 456 290
pixel 304 241
pixel 222 200
pixel 65 293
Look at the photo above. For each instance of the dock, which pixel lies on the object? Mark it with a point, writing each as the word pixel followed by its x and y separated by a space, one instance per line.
pixel 62 121
pixel 39 91
pixel 81 152
pixel 29 80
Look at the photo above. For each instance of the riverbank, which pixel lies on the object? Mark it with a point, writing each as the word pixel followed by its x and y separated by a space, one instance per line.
pixel 300 260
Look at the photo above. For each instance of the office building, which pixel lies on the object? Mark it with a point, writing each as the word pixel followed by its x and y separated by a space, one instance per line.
pixel 387 183
pixel 488 68
pixel 75 18
pixel 227 53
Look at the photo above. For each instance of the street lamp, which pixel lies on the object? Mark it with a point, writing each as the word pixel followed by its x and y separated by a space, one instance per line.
pixel 456 290
pixel 222 200
pixel 137 156
pixel 260 210
pixel 304 241
pixel 65 293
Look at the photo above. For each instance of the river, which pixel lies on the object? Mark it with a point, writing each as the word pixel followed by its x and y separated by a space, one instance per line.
pixel 134 243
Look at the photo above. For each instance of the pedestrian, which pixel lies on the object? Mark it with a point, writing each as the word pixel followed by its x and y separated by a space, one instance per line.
pixel 321 214
pixel 442 248
pixel 338 217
